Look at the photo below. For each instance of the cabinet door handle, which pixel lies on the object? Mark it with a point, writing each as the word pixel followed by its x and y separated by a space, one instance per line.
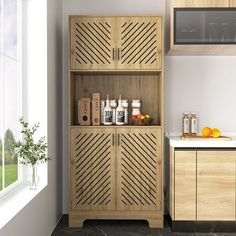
pixel 118 139
pixel 118 53
pixel 113 139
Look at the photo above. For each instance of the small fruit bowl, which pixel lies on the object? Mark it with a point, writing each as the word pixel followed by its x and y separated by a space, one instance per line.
pixel 141 120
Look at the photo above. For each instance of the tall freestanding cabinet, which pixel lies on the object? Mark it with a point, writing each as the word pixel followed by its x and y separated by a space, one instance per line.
pixel 116 171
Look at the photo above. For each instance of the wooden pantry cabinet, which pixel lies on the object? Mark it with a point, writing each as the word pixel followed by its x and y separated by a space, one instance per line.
pixel 116 43
pixel 202 185
pixel 116 171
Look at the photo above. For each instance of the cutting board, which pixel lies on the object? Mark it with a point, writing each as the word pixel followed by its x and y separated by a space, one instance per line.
pixel 200 138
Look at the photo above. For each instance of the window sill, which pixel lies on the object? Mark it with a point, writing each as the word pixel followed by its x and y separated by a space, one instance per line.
pixel 16 200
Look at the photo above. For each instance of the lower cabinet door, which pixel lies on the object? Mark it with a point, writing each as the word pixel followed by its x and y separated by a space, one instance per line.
pixel 139 169
pixel 185 185
pixel 216 185
pixel 92 169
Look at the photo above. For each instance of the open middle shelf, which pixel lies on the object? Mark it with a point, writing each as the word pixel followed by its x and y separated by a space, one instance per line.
pixel 147 87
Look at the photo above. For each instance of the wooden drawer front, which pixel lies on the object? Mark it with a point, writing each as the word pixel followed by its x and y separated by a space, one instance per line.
pixel 140 43
pixel 185 185
pixel 139 169
pixel 233 3
pixel 91 43
pixel 216 185
pixel 92 169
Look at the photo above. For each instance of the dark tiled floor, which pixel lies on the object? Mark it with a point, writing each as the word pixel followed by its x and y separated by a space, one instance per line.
pixel 120 228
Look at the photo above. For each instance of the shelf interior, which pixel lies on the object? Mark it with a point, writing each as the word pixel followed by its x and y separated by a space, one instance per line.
pixel 146 87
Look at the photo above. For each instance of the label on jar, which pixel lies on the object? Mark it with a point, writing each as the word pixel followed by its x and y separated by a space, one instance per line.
pixel 120 116
pixel 107 116
pixel 193 126
pixel 113 115
pixel 186 126
pixel 126 116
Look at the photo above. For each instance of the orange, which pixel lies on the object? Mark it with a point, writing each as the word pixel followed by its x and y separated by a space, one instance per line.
pixel 206 132
pixel 216 133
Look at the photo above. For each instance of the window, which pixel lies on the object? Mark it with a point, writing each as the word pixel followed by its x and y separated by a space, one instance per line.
pixel 10 89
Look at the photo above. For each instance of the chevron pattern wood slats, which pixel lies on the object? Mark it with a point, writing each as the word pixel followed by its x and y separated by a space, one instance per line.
pixel 91 42
pixel 140 42
pixel 116 43
pixel 139 169
pixel 92 169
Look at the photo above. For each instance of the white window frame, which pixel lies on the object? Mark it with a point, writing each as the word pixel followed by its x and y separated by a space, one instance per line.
pixel 21 171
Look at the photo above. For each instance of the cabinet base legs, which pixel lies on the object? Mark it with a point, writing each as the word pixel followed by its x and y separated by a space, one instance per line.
pixel 155 223
pixel 154 218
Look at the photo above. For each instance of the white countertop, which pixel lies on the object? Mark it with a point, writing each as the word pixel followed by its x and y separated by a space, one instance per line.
pixel 176 141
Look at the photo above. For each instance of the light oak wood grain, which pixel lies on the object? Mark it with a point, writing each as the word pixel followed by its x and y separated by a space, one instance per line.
pixel 139 169
pixel 172 183
pixel 201 3
pixel 139 43
pixel 155 219
pixel 144 87
pixel 216 185
pixel 185 185
pixel 233 3
pixel 116 43
pixel 92 171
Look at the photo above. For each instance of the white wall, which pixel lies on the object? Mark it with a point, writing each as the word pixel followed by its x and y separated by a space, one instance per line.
pixel 203 84
pixel 44 98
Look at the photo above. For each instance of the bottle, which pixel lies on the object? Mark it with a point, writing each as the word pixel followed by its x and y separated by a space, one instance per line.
pixel 102 111
pixel 136 107
pixel 193 124
pixel 125 105
pixel 113 106
pixel 107 112
pixel 185 124
pixel 120 113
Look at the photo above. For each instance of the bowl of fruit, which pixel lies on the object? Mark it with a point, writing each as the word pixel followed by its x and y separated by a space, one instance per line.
pixel 141 119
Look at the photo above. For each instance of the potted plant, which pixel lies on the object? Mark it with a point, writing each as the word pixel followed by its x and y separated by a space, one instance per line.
pixel 31 152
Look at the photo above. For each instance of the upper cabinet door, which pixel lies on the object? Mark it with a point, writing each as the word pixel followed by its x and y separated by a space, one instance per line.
pixel 140 43
pixel 92 43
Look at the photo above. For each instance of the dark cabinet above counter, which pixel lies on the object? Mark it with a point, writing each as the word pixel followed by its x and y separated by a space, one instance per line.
pixel 199 28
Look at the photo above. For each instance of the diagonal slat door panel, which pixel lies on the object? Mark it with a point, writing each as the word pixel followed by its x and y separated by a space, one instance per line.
pixel 140 43
pixel 92 169
pixel 139 169
pixel 92 42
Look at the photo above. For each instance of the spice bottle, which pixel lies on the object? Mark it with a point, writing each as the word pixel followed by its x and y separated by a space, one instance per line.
pixel 102 111
pixel 136 107
pixel 193 124
pixel 113 106
pixel 125 105
pixel 107 112
pixel 186 124
pixel 120 113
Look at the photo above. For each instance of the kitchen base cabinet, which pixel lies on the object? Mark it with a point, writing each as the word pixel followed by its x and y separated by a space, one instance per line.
pixel 202 184
pixel 216 185
pixel 185 185
pixel 116 173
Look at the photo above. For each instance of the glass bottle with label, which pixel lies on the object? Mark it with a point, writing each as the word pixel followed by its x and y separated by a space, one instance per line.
pixel 185 124
pixel 125 105
pixel 107 113
pixel 113 106
pixel 193 124
pixel 120 113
